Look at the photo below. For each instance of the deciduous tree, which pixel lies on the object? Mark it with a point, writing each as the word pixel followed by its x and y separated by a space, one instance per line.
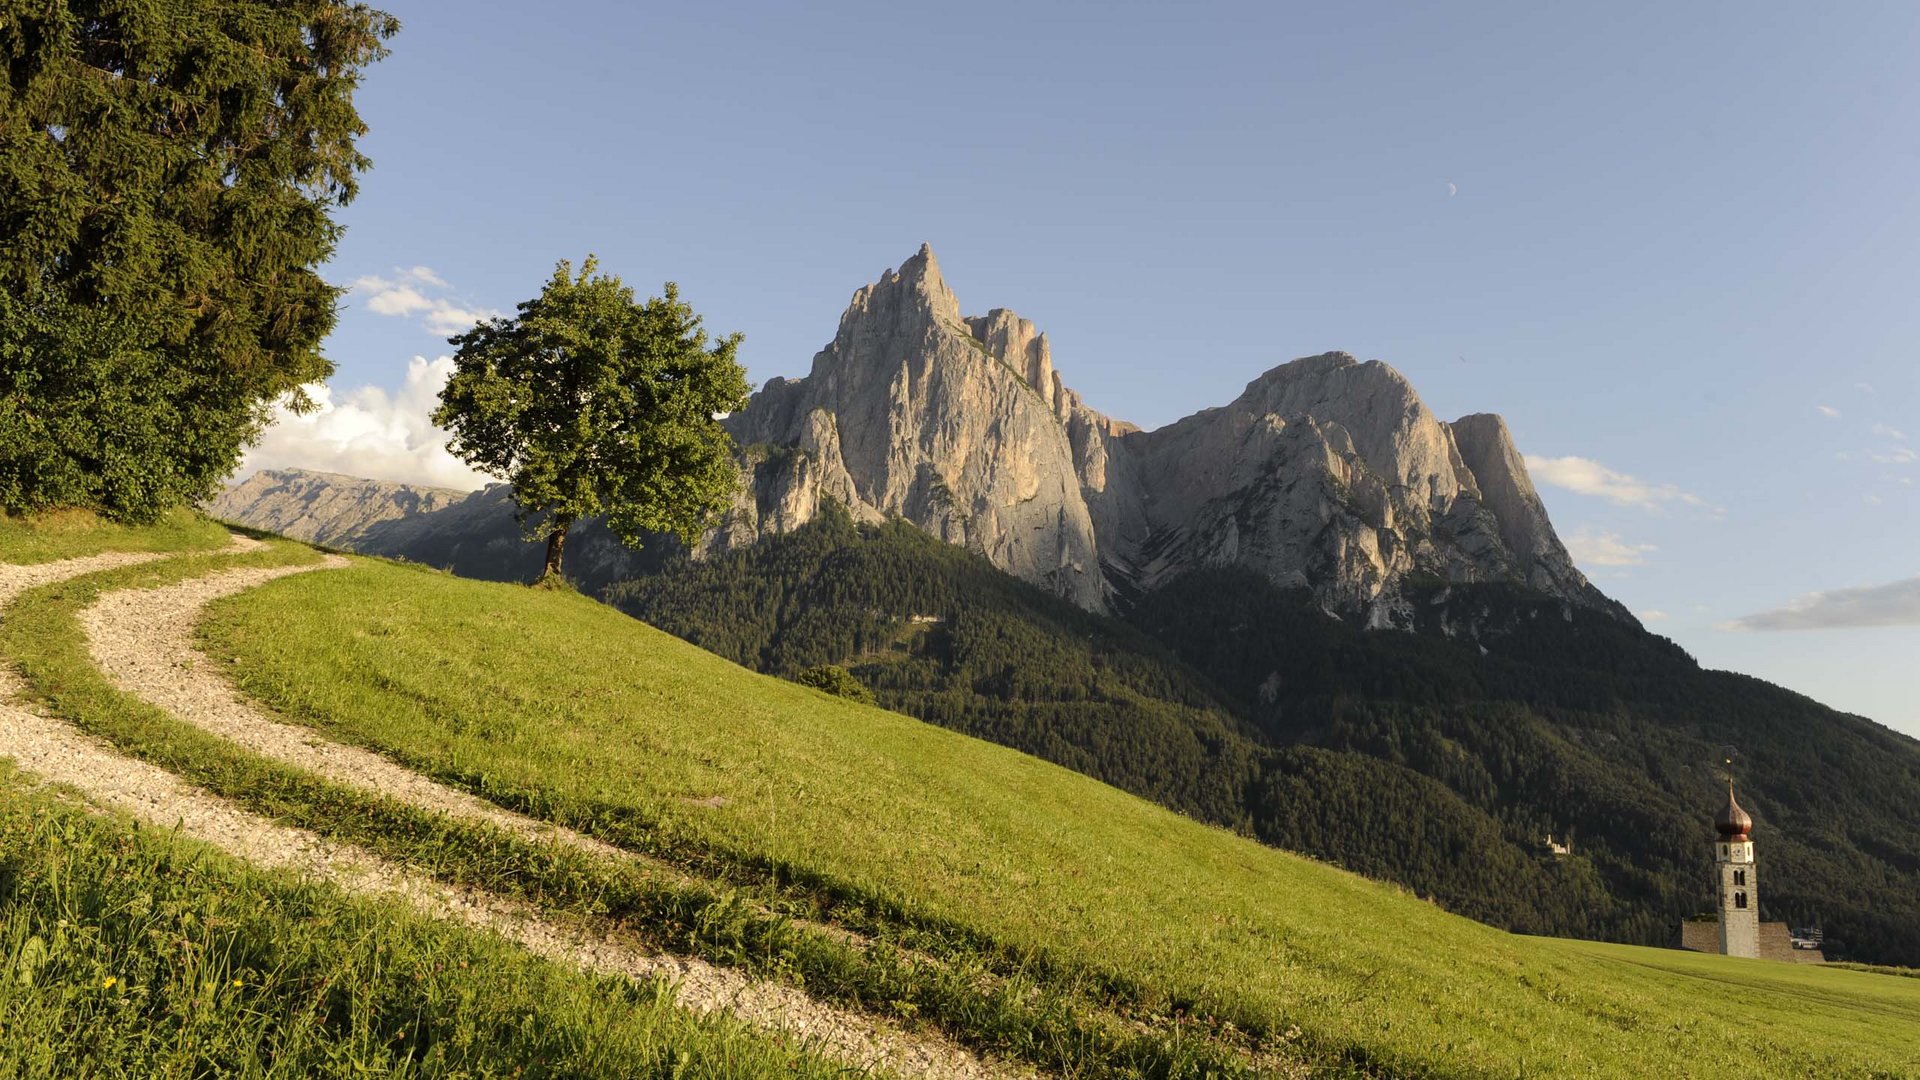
pixel 590 402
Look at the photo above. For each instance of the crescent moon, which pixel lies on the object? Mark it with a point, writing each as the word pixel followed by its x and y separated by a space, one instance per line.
pixel 1452 189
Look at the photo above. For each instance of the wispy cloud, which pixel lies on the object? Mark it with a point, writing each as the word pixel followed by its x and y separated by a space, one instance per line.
pixel 1828 411
pixel 417 291
pixel 1888 431
pixel 1651 616
pixel 1585 476
pixel 1897 455
pixel 369 432
pixel 386 298
pixel 426 276
pixel 1897 603
pixel 1590 547
pixel 448 319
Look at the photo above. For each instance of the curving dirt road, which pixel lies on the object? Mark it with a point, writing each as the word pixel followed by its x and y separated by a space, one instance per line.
pixel 143 640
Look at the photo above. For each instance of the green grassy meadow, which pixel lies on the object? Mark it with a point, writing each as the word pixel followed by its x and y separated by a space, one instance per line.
pixel 128 951
pixel 1002 1011
pixel 70 534
pixel 551 703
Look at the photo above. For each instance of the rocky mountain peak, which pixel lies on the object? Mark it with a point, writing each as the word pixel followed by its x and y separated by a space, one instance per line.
pixel 901 303
pixel 1016 343
pixel 1488 450
pixel 1327 472
pixel 916 411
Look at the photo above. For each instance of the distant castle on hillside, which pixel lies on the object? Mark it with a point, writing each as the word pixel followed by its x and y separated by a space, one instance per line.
pixel 1738 930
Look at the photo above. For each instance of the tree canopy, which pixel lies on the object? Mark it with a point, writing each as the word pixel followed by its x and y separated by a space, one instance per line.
pixel 590 402
pixel 167 173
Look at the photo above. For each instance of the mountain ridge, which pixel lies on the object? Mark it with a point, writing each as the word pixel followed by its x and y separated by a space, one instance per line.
pixel 1326 472
pixel 325 507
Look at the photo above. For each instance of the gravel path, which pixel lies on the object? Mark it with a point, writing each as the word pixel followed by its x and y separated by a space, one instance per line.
pixel 143 639
pixel 56 751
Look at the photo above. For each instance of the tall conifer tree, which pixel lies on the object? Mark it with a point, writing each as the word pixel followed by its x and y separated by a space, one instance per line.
pixel 167 173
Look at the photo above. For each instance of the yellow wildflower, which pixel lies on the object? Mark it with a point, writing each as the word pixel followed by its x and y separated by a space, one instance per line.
pixel 110 983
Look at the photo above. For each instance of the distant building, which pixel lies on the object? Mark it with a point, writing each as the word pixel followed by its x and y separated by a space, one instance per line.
pixel 1737 930
pixel 1556 848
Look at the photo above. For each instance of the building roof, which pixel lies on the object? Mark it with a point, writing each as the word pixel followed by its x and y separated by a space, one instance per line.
pixel 1733 822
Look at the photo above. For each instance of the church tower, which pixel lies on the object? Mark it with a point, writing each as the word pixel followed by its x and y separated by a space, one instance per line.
pixel 1739 889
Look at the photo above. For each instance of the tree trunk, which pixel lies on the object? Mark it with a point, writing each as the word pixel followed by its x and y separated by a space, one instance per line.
pixel 556 543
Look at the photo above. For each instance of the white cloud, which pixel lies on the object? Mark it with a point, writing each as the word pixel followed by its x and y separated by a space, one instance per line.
pixel 401 296
pixel 370 433
pixel 446 319
pixel 1888 432
pixel 1586 476
pixel 1651 616
pixel 1591 548
pixel 1898 455
pixel 399 300
pixel 1896 603
pixel 1828 411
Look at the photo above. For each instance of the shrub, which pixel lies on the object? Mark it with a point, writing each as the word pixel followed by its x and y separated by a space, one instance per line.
pixel 835 680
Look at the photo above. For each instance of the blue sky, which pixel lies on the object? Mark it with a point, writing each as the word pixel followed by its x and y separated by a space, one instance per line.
pixel 1677 246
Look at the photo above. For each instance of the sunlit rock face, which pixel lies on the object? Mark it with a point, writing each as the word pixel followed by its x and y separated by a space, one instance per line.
pixel 909 414
pixel 325 508
pixel 1327 473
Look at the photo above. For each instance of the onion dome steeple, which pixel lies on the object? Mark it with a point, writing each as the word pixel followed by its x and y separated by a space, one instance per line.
pixel 1733 822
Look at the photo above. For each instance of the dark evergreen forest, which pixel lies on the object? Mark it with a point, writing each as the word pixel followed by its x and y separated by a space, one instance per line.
pixel 1438 759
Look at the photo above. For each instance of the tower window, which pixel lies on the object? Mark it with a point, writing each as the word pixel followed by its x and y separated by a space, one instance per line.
pixel 1740 900
pixel 1739 877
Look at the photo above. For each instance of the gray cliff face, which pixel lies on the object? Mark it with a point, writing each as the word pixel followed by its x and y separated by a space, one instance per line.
pixel 325 508
pixel 1487 449
pixel 1327 473
pixel 914 411
pixel 1332 475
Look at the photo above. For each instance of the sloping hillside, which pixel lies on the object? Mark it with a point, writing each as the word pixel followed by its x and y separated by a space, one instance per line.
pixel 1502 716
pixel 137 941
pixel 564 708
pixel 940 634
pixel 1438 758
